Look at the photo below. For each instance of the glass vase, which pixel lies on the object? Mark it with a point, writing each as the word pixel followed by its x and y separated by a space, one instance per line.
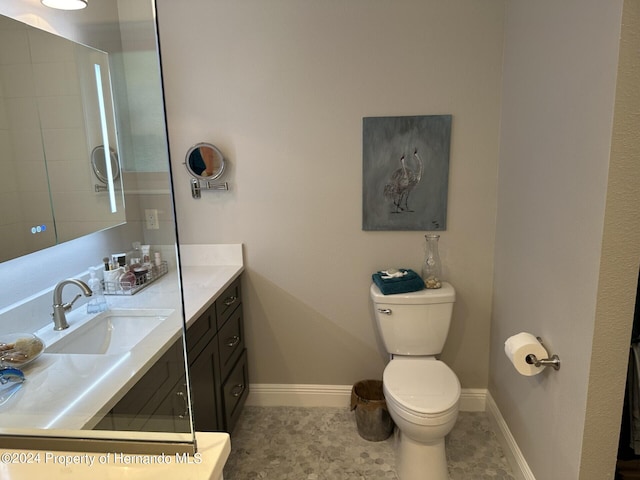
pixel 431 267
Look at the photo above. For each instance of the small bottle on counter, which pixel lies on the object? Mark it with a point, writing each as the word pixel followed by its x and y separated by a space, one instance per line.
pixel 135 255
pixel 146 254
pixel 127 280
pixel 97 301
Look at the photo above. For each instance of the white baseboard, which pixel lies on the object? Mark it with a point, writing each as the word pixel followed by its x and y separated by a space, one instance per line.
pixel 509 446
pixel 299 395
pixel 473 399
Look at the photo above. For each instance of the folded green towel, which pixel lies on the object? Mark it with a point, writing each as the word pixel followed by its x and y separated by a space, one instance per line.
pixel 411 282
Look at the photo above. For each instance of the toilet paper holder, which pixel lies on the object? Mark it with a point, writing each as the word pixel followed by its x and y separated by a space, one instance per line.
pixel 554 361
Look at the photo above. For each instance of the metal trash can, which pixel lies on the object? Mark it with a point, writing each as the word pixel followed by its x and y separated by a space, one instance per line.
pixel 372 416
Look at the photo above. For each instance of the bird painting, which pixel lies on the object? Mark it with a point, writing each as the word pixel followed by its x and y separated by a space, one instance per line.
pixel 402 182
pixel 405 172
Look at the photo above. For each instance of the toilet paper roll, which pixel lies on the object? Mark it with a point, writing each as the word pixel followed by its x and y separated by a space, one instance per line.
pixel 519 346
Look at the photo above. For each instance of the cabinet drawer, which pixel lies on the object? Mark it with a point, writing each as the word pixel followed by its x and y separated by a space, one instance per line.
pixel 235 391
pixel 227 302
pixel 172 415
pixel 231 342
pixel 201 331
pixel 133 410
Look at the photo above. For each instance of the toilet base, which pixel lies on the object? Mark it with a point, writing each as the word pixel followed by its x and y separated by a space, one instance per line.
pixel 420 461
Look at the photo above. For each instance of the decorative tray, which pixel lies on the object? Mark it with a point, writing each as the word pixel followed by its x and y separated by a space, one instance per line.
pixel 131 286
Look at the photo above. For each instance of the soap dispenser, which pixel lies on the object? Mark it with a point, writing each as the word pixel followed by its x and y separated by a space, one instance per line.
pixel 97 302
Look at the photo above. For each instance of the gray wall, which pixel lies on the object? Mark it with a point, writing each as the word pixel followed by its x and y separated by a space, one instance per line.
pixel 281 88
pixel 551 263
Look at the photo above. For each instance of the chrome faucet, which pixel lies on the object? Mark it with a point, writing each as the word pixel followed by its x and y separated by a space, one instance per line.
pixel 59 308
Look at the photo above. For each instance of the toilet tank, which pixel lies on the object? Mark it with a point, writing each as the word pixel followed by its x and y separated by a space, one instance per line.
pixel 415 323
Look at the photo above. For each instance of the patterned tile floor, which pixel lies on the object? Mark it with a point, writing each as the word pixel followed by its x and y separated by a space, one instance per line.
pixel 291 443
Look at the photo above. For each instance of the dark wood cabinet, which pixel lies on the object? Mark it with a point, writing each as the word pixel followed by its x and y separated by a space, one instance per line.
pixel 205 386
pixel 218 376
pixel 217 363
pixel 158 402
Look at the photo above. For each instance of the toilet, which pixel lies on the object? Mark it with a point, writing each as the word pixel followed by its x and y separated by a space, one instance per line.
pixel 422 393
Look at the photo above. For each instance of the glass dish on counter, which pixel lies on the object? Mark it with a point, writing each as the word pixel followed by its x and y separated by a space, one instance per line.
pixel 19 349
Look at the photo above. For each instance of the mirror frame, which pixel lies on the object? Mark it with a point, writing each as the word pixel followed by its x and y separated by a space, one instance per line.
pixel 190 160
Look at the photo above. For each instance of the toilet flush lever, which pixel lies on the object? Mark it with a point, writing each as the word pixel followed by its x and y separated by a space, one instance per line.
pixel 386 311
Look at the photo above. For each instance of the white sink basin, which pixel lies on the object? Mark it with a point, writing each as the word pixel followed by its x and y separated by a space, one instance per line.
pixel 110 333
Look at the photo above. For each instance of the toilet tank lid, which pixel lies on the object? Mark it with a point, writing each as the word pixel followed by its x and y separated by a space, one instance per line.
pixel 445 294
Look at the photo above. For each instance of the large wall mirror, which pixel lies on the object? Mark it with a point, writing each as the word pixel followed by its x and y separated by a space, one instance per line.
pixel 56 117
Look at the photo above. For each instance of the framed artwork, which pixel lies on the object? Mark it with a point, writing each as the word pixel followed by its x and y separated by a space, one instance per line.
pixel 405 172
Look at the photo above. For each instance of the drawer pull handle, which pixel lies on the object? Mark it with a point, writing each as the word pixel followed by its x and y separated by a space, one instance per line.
pixel 185 413
pixel 230 300
pixel 237 390
pixel 233 341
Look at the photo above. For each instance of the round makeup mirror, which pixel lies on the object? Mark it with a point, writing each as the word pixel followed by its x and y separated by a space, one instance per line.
pixel 205 161
pixel 99 164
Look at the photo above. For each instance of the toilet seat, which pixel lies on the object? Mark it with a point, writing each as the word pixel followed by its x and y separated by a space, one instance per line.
pixel 421 389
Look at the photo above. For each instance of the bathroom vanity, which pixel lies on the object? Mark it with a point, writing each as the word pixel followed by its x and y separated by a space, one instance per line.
pixel 116 391
pixel 216 355
pixel 73 387
pixel 217 369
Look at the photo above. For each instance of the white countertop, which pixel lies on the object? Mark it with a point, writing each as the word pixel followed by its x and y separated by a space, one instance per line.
pixel 205 464
pixel 198 284
pixel 206 271
pixel 68 393
pixel 73 391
